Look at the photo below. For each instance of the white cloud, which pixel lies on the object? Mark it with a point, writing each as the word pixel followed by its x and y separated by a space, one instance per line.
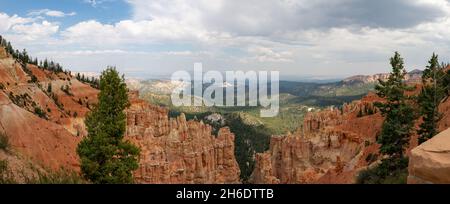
pixel 129 31
pixel 51 13
pixel 266 54
pixel 82 52
pixel 23 29
pixel 36 31
pixel 95 3
pixel 6 21
pixel 265 17
pixel 297 36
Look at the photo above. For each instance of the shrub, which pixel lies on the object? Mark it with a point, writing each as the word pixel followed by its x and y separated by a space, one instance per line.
pixel 5 176
pixel 390 171
pixel 59 177
pixel 4 141
pixel 3 166
pixel 66 89
pixel 371 158
pixel 55 99
pixel 49 88
pixel 360 113
pixel 33 79
pixel 39 112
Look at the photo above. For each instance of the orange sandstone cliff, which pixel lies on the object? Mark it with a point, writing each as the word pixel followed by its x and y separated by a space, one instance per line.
pixel 174 150
pixel 42 125
pixel 44 121
pixel 332 147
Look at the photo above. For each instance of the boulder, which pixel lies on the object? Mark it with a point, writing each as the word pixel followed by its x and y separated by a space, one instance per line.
pixel 429 163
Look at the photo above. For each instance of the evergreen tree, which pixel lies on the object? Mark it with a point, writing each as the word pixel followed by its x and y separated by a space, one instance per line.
pixel 429 99
pixel 49 88
pixel 398 113
pixel 45 64
pixel 52 66
pixel 25 58
pixel 396 129
pixel 58 68
pixel 10 48
pixel 16 54
pixel 105 156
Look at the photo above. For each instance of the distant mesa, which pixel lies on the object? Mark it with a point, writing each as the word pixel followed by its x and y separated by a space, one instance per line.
pixel 413 76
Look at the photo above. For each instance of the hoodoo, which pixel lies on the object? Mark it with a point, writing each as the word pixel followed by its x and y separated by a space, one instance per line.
pixel 174 150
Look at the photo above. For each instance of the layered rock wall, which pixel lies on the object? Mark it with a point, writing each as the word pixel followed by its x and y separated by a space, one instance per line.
pixel 332 147
pixel 174 150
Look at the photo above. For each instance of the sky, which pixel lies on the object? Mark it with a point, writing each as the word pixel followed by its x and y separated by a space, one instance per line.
pixel 299 38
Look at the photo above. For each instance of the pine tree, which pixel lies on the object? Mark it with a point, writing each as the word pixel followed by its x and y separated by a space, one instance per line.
pixel 430 97
pixel 25 58
pixel 396 129
pixel 49 88
pixel 52 66
pixel 16 54
pixel 10 48
pixel 105 156
pixel 45 64
pixel 398 113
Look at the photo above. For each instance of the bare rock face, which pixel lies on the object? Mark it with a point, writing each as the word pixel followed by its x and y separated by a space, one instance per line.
pixel 331 148
pixel 414 76
pixel 43 142
pixel 41 124
pixel 430 162
pixel 174 150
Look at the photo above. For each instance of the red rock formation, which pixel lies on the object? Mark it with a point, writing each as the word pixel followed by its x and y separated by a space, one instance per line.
pixel 174 150
pixel 331 148
pixel 45 143
pixel 50 141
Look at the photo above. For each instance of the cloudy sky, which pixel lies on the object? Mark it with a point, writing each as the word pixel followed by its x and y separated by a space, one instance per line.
pixel 151 38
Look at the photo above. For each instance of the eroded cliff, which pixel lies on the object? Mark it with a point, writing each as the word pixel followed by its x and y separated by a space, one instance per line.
pixel 40 120
pixel 174 150
pixel 332 147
